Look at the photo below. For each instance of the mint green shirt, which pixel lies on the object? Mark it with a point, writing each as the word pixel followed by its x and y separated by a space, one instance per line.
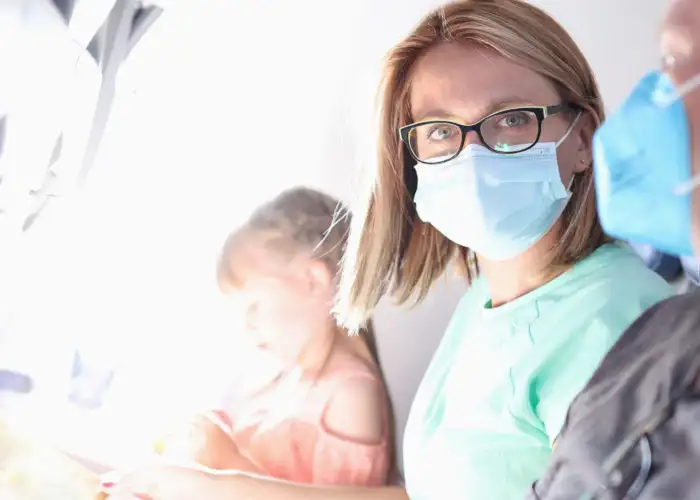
pixel 496 393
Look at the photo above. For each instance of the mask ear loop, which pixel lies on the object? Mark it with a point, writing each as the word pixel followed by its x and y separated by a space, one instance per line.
pixel 561 141
pixel 664 100
pixel 569 130
pixel 577 215
pixel 688 187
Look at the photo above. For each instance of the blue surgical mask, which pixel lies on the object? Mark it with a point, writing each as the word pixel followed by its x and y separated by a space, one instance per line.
pixel 642 165
pixel 497 205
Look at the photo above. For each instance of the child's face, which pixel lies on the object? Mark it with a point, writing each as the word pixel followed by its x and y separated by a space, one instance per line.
pixel 285 304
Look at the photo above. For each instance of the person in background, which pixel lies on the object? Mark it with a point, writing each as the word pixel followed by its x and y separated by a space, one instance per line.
pixel 488 112
pixel 669 267
pixel 632 432
pixel 683 272
pixel 691 271
pixel 322 415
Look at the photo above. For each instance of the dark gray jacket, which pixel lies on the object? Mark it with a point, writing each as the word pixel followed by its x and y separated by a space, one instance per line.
pixel 634 430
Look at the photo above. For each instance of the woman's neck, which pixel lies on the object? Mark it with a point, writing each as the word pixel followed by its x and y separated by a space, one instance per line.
pixel 510 279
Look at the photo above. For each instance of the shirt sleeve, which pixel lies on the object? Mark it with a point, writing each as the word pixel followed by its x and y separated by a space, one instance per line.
pixel 341 462
pixel 573 363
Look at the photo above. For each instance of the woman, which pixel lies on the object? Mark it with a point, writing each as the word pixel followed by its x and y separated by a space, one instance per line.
pixel 485 157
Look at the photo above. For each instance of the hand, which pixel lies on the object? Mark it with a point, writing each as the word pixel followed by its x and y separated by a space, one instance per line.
pixel 205 441
pixel 161 482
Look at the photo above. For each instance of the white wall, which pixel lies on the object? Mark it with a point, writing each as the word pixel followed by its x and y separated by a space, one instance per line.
pixel 619 37
pixel 189 154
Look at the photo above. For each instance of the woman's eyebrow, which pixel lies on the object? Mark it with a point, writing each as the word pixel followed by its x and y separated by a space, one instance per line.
pixel 484 110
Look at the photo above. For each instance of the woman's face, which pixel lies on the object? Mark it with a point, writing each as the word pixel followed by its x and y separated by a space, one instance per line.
pixel 285 305
pixel 465 83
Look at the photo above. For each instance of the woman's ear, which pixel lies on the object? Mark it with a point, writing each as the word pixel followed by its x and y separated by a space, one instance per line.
pixel 585 128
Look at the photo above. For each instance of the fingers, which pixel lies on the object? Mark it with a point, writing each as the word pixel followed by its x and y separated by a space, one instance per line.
pixel 129 487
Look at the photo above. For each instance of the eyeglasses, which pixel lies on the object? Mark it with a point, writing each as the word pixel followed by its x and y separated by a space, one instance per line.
pixel 505 132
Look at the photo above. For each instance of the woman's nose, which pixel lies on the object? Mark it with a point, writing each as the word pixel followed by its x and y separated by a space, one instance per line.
pixel 472 138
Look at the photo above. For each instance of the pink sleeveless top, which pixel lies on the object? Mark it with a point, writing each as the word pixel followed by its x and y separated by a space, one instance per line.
pixel 280 429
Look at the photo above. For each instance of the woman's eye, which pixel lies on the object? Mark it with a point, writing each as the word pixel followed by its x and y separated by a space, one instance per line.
pixel 440 133
pixel 516 119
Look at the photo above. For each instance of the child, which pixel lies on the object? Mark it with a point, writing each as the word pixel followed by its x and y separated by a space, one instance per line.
pixel 323 417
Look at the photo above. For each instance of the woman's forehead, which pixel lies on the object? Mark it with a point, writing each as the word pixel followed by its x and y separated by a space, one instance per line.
pixel 470 82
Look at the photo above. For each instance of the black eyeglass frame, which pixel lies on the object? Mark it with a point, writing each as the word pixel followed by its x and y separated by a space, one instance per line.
pixel 540 112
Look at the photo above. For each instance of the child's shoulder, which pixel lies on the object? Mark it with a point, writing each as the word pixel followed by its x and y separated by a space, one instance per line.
pixel 345 362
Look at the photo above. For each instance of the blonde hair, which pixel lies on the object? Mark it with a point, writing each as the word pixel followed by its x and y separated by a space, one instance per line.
pixel 392 250
pixel 301 220
pixel 298 220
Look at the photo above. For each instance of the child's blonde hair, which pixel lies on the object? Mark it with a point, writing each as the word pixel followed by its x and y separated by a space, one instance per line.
pixel 298 220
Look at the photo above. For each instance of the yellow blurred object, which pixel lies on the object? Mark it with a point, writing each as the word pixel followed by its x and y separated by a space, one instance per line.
pixel 159 446
pixel 32 471
pixel 183 441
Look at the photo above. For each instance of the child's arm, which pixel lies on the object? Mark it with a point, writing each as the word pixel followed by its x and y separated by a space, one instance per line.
pixel 208 442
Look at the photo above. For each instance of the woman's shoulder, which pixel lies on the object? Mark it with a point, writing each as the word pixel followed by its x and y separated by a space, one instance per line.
pixel 613 261
pixel 668 330
pixel 473 299
pixel 615 272
pixel 611 289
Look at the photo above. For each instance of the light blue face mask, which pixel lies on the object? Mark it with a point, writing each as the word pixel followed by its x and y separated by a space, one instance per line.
pixel 497 205
pixel 642 166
